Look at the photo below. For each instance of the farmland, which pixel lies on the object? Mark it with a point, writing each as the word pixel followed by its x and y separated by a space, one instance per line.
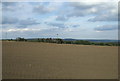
pixel 37 60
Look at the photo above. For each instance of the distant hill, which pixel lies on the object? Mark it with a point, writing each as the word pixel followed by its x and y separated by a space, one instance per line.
pixel 104 41
pixel 69 39
pixel 92 40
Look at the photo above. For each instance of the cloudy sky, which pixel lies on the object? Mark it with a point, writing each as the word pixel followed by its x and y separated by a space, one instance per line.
pixel 77 20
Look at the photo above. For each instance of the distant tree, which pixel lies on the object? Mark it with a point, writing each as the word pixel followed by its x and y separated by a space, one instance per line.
pixel 38 40
pixel 42 40
pixel 82 42
pixel 68 42
pixel 59 41
pixel 20 39
pixel 102 44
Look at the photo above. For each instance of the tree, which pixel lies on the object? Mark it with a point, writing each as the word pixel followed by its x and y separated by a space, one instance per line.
pixel 59 41
pixel 20 39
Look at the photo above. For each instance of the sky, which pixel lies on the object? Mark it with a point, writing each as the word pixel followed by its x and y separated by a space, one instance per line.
pixel 76 20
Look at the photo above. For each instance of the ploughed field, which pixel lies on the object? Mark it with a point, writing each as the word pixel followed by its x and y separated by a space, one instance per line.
pixel 34 60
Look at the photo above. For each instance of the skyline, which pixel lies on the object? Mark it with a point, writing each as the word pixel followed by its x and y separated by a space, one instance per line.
pixel 77 20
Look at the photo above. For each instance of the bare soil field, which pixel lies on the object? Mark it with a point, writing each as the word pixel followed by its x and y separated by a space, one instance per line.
pixel 34 60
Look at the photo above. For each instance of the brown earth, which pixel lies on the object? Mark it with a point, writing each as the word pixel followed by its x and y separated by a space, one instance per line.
pixel 32 60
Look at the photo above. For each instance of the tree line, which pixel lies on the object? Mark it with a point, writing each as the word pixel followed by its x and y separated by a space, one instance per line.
pixel 61 41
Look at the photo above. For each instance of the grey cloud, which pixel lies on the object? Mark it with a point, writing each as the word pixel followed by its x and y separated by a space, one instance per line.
pixel 76 26
pixel 97 10
pixel 41 9
pixel 61 18
pixel 29 21
pixel 19 23
pixel 106 28
pixel 8 6
pixel 119 16
pixel 119 11
pixel 104 17
pixel 9 20
pixel 80 5
pixel 80 9
pixel 77 13
pixel 8 3
pixel 60 25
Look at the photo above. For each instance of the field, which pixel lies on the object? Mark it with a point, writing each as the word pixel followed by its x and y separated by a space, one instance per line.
pixel 34 60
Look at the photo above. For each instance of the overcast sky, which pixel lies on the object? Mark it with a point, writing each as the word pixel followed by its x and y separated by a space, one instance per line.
pixel 77 20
